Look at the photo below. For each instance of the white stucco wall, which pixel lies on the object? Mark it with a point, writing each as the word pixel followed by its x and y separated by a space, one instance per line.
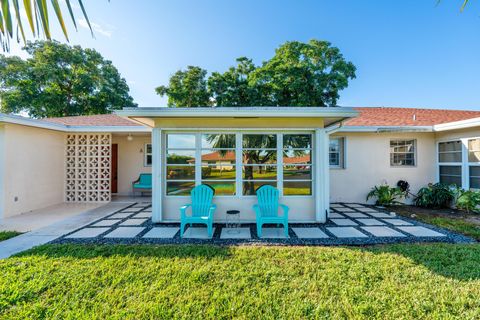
pixel 367 164
pixel 2 170
pixel 34 172
pixel 458 134
pixel 130 160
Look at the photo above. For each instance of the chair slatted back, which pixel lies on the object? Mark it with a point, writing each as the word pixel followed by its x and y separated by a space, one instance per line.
pixel 145 178
pixel 268 200
pixel 202 197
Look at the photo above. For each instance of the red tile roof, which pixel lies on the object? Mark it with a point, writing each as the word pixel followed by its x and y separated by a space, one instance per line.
pixel 385 116
pixel 216 156
pixel 93 120
pixel 369 116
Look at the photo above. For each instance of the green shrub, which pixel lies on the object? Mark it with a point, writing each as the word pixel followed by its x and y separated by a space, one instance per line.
pixel 468 200
pixel 436 195
pixel 386 195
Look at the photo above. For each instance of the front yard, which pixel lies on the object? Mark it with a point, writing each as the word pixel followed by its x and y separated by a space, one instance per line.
pixel 454 220
pixel 4 235
pixel 147 281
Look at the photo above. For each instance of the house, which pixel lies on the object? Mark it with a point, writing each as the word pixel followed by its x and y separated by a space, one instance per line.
pixel 313 155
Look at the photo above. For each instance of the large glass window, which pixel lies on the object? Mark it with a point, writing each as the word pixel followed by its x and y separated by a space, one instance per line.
pixel 297 164
pixel 218 162
pixel 474 163
pixel 451 175
pixel 336 152
pixel 402 152
pixel 259 161
pixel 474 150
pixel 180 164
pixel 474 172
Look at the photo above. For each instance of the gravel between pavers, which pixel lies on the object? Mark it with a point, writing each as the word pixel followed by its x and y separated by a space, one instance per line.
pixel 450 237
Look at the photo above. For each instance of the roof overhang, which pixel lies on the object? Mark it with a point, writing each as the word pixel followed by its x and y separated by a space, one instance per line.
pixel 379 129
pixel 146 116
pixel 36 123
pixel 464 124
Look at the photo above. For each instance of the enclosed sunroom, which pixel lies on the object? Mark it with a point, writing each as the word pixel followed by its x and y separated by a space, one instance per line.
pixel 237 150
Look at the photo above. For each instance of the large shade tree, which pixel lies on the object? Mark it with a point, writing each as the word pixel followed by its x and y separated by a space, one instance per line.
pixel 59 80
pixel 299 74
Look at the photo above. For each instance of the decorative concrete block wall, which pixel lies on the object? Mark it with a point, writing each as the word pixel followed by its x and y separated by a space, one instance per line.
pixel 88 167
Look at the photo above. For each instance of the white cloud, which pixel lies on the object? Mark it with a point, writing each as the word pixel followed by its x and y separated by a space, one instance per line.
pixel 97 28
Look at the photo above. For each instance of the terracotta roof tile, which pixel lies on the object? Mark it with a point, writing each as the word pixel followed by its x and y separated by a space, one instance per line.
pixel 384 116
pixel 93 120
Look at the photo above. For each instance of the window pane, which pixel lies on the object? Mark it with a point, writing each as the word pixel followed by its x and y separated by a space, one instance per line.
pixel 218 141
pixel 260 172
pixel 450 157
pixel 402 146
pixel 296 156
pixel 451 170
pixel 222 188
pixel 218 172
pixel 181 141
pixel 297 141
pixel 450 146
pixel 259 157
pixel 298 172
pixel 180 156
pixel 179 188
pixel 149 160
pixel 334 145
pixel 402 159
pixel 249 187
pixel 180 173
pixel 148 148
pixel 475 177
pixel 451 180
pixel 291 188
pixel 475 171
pixel 260 141
pixel 218 157
pixel 334 159
pixel 474 150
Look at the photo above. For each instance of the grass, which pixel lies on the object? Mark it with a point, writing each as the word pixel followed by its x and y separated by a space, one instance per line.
pixel 444 218
pixel 4 235
pixel 210 282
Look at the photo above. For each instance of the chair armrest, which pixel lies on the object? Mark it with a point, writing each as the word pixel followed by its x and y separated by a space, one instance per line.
pixel 138 180
pixel 211 212
pixel 285 210
pixel 183 210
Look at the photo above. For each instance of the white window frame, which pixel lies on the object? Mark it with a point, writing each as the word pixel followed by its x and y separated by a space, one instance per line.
pixel 239 161
pixel 450 164
pixel 465 164
pixel 146 154
pixel 341 152
pixel 196 165
pixel 414 153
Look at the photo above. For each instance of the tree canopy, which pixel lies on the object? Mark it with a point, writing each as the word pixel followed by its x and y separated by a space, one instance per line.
pixel 59 80
pixel 299 74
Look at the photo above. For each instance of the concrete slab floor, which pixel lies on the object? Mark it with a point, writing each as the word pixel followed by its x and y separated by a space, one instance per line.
pixel 40 218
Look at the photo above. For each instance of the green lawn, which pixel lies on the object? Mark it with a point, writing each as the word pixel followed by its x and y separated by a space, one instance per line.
pixel 4 235
pixel 209 282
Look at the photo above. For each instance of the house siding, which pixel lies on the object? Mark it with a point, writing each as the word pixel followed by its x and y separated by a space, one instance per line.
pixel 34 174
pixel 367 163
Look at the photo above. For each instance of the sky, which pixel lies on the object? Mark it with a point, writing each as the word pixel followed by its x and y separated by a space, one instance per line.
pixel 408 53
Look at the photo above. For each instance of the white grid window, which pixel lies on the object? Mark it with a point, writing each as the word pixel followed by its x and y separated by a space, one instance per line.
pixel 180 164
pixel 147 161
pixel 219 162
pixel 297 164
pixel 336 152
pixel 474 163
pixel 450 159
pixel 402 153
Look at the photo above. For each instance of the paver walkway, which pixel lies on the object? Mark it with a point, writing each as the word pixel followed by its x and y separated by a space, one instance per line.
pixel 349 224
pixel 46 234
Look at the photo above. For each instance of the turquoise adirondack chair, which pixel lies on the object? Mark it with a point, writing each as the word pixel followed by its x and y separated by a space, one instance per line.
pixel 144 182
pixel 267 209
pixel 202 209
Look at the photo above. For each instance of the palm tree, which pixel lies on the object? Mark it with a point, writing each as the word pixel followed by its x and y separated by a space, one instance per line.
pixel 37 16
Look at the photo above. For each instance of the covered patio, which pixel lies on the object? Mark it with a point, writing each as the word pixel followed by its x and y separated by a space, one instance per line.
pixel 237 150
